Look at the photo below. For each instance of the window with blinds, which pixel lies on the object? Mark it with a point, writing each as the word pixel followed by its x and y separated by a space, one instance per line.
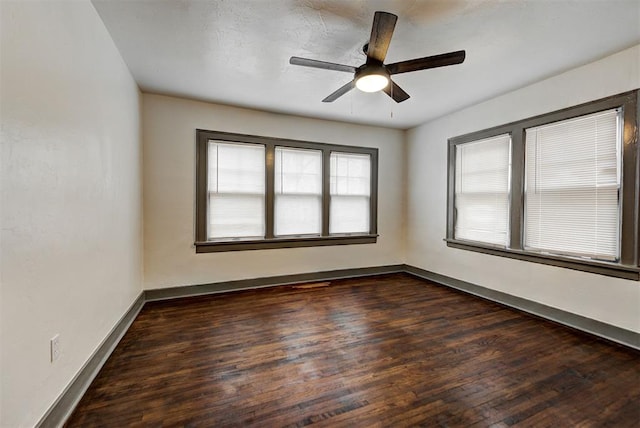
pixel 257 192
pixel 298 191
pixel 563 192
pixel 482 190
pixel 236 190
pixel 572 179
pixel 350 184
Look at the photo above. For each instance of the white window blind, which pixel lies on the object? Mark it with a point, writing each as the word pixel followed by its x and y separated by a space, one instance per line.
pixel 482 190
pixel 572 184
pixel 298 191
pixel 236 188
pixel 350 189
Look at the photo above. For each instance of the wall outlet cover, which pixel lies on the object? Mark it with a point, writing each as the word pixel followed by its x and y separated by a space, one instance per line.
pixel 55 347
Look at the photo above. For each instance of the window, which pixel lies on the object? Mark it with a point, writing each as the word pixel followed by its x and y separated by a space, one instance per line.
pixel 350 193
pixel 236 190
pixel 257 192
pixel 560 188
pixel 482 190
pixel 572 181
pixel 298 192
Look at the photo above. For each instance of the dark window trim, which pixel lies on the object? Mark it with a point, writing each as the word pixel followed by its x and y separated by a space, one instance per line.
pixel 592 266
pixel 271 241
pixel 628 267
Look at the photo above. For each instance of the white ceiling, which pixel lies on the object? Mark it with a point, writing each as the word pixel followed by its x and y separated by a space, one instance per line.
pixel 237 52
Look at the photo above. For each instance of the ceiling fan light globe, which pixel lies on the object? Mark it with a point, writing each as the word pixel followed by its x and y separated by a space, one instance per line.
pixel 372 82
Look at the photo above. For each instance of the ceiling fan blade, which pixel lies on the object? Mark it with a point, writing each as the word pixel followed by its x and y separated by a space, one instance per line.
pixel 340 92
pixel 381 32
pixel 396 92
pixel 321 64
pixel 441 60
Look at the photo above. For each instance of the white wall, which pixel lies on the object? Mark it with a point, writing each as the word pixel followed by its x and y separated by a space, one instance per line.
pixel 611 300
pixel 71 235
pixel 169 193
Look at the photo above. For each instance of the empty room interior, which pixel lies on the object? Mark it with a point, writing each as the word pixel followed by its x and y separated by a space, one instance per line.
pixel 319 212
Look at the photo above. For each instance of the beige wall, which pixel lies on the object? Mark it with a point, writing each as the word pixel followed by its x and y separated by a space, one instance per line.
pixel 169 179
pixel 611 300
pixel 70 237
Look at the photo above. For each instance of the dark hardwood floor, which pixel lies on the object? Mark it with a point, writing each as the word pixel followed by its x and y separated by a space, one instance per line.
pixel 389 350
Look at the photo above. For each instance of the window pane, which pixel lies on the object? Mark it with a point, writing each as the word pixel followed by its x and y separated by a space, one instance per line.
pixel 349 214
pixel 236 186
pixel 350 174
pixel 482 190
pixel 350 184
pixel 572 183
pixel 236 168
pixel 298 191
pixel 236 216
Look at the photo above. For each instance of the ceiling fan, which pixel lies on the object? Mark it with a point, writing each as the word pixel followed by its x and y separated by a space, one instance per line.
pixel 374 75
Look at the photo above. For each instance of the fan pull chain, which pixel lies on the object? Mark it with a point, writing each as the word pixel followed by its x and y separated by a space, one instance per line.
pixel 391 92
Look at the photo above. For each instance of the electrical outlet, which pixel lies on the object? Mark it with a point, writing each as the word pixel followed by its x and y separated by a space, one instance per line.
pixel 55 347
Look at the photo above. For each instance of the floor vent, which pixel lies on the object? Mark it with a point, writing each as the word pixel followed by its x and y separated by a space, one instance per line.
pixel 313 285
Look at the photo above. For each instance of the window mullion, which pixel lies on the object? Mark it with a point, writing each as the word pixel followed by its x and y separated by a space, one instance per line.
pixel 373 195
pixel 516 220
pixel 629 243
pixel 202 168
pixel 326 190
pixel 451 189
pixel 269 191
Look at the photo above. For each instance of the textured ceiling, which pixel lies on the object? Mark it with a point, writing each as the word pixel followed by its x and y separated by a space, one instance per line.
pixel 236 52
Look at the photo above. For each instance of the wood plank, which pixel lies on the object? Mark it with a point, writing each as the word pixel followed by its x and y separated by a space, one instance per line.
pixel 390 350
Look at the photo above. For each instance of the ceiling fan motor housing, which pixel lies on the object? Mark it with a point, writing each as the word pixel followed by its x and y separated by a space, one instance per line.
pixel 371 68
pixel 371 77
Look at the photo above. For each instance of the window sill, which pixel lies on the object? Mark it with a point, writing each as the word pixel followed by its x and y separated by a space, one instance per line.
pixel 592 266
pixel 289 242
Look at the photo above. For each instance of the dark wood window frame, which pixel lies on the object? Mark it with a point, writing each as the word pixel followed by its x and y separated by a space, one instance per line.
pixel 203 245
pixel 628 265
